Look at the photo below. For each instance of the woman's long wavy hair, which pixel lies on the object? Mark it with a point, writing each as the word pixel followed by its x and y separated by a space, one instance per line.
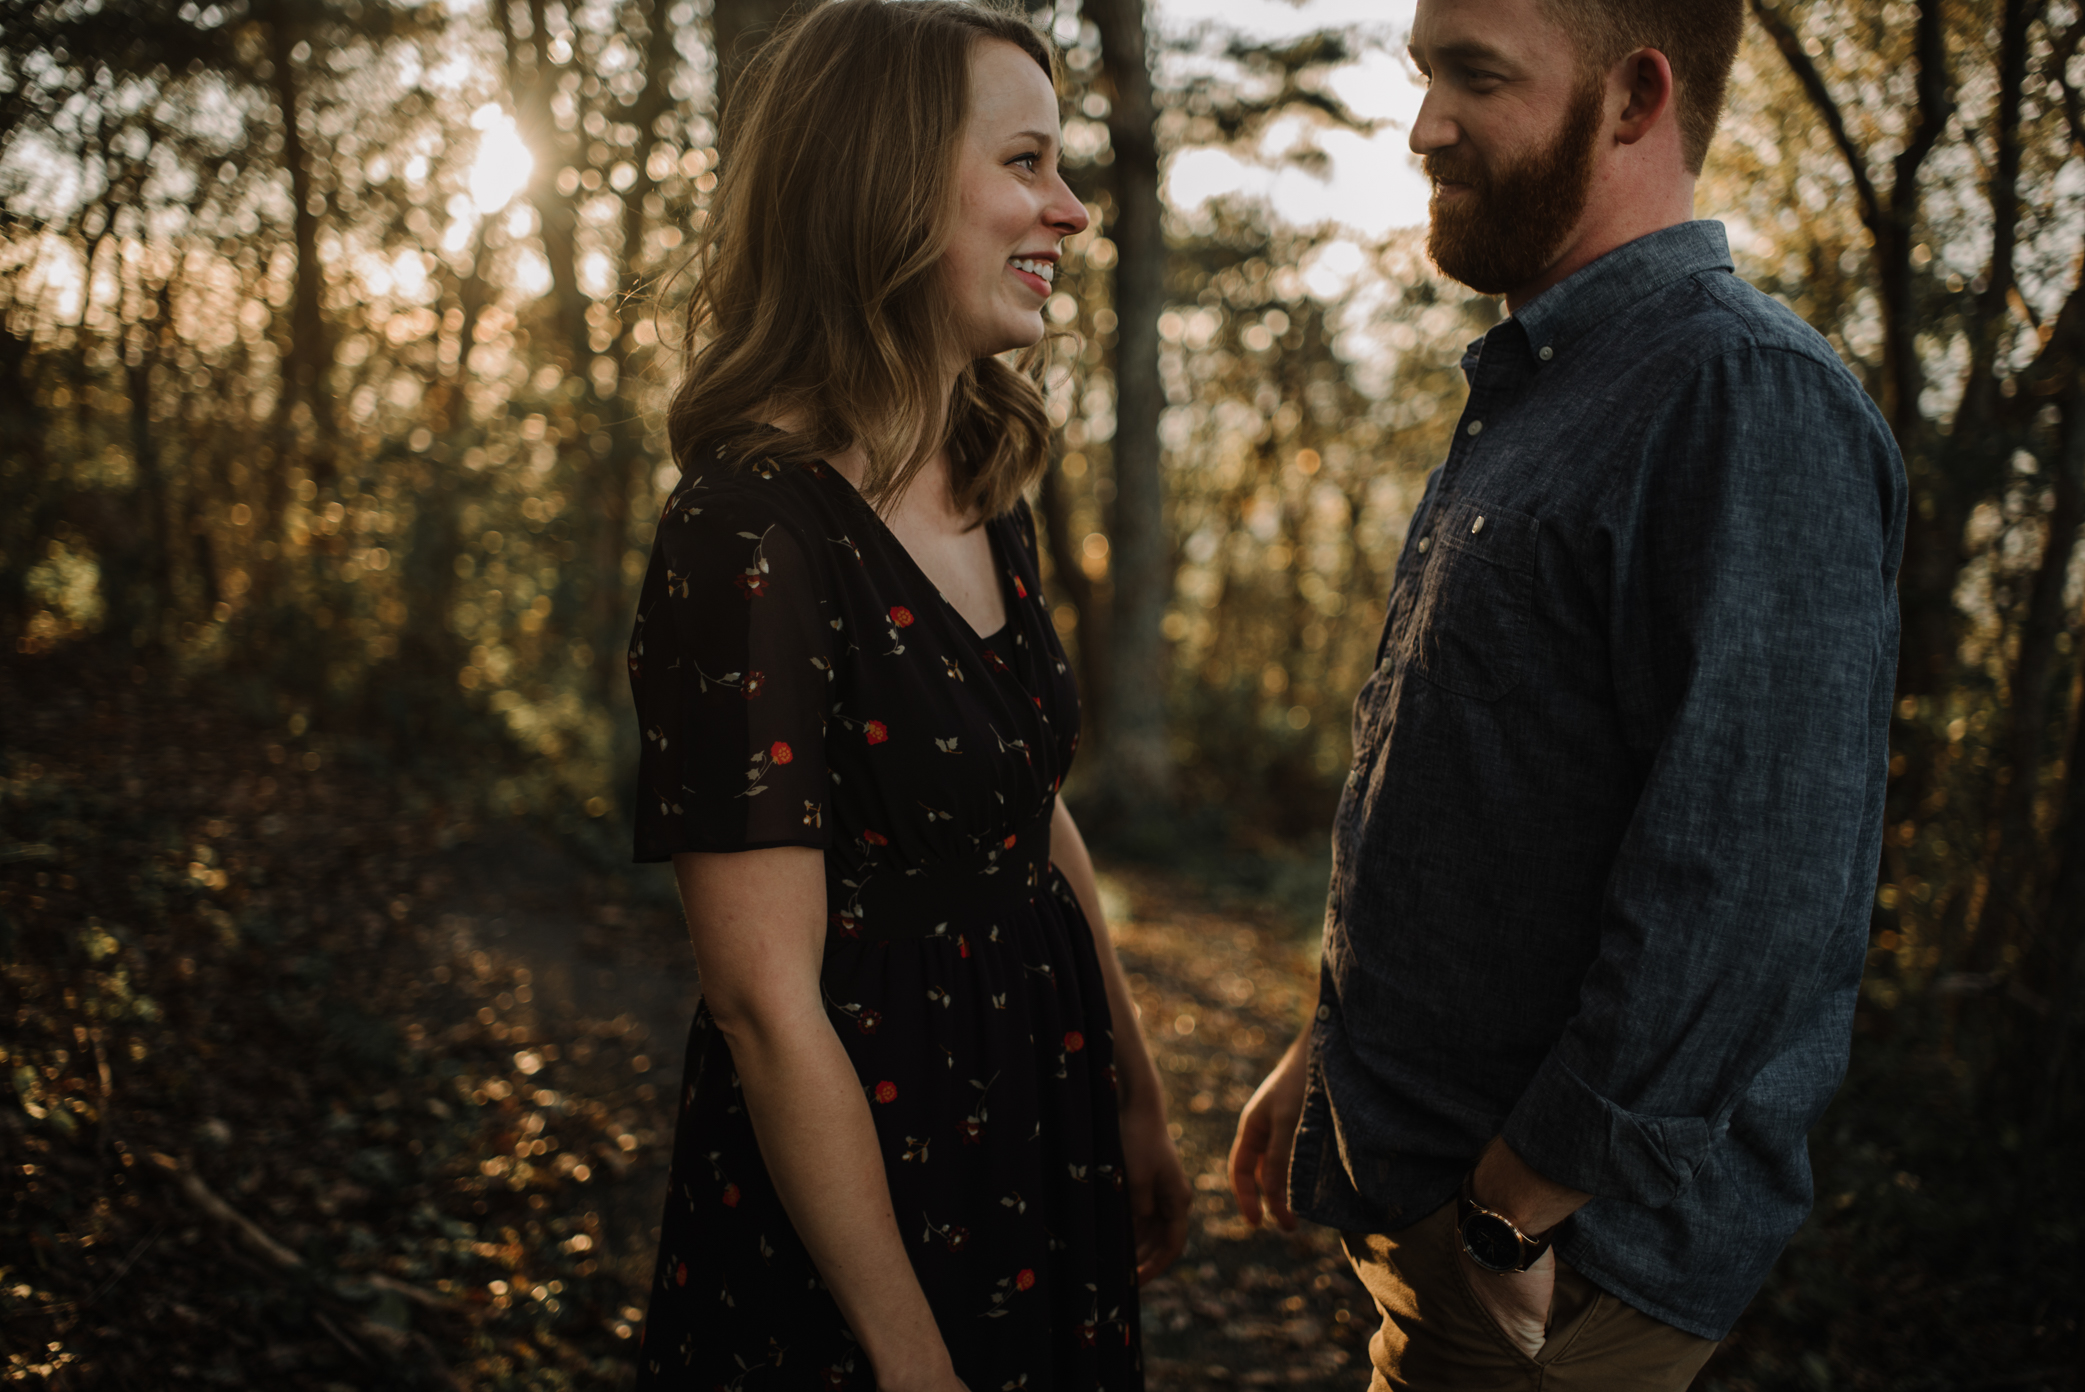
pixel 815 296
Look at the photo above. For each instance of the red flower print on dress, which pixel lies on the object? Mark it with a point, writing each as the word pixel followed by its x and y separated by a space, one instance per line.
pixel 1008 844
pixel 875 838
pixel 752 582
pixel 886 1091
pixel 901 616
pixel 1074 1041
pixel 780 752
pixel 731 1196
pixel 846 923
pixel 877 731
pixel 752 684
pixel 680 1275
pixel 1024 1279
pixel 1019 588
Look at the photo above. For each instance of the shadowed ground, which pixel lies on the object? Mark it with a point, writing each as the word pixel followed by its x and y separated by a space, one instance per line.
pixel 317 1084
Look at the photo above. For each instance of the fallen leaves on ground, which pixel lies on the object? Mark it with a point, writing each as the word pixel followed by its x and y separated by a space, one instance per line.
pixel 317 1085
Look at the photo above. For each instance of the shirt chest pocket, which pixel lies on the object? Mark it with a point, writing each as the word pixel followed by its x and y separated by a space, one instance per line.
pixel 1472 597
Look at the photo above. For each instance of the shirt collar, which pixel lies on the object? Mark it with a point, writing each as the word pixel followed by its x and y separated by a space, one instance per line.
pixel 1619 279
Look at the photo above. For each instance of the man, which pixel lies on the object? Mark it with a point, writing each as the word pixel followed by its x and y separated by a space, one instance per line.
pixel 1602 869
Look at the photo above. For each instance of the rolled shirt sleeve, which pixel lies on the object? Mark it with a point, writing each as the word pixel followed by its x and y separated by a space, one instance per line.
pixel 1753 611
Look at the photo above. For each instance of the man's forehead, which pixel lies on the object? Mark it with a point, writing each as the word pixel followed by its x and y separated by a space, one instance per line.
pixel 1484 30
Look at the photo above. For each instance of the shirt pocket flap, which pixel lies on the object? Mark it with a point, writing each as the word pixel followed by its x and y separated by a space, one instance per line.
pixel 1468 628
pixel 1495 535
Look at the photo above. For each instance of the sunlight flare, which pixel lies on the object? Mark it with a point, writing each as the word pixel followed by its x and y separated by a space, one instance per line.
pixel 504 163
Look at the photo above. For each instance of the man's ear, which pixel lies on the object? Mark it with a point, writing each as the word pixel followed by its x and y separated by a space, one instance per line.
pixel 1646 75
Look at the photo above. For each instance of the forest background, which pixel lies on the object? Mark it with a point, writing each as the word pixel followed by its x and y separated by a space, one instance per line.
pixel 333 335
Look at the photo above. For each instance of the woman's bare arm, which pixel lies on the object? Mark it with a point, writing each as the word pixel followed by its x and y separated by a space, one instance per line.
pixel 1160 1196
pixel 757 920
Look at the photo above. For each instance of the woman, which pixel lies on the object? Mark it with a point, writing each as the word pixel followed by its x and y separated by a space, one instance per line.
pixel 922 1144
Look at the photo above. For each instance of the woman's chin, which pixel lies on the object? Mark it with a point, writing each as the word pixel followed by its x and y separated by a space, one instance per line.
pixel 1013 337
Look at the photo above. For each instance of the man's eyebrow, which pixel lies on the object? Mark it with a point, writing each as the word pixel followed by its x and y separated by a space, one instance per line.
pixel 1466 51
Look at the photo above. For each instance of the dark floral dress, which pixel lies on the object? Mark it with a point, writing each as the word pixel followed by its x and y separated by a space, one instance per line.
pixel 800 682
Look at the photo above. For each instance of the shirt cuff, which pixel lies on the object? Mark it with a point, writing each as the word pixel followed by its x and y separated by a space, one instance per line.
pixel 1573 1136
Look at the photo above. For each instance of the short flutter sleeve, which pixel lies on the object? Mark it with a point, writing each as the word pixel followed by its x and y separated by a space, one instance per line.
pixel 729 664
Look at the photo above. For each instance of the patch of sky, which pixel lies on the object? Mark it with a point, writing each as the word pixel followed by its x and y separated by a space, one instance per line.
pixel 1367 182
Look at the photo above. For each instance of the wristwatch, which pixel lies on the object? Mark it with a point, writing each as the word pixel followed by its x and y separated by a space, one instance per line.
pixel 1491 1239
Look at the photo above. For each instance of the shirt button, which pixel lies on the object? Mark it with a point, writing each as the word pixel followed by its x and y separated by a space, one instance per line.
pixel 1424 543
pixel 1547 353
pixel 1324 1012
pixel 1474 428
pixel 1476 526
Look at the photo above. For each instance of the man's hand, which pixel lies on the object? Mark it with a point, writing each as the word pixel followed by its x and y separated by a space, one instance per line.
pixel 1160 1197
pixel 1266 1134
pixel 1507 1184
pixel 1517 1301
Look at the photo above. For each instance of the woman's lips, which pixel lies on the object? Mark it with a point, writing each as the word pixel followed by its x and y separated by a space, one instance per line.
pixel 1033 281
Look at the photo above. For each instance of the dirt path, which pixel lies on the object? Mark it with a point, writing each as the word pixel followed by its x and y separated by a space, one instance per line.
pixel 1220 991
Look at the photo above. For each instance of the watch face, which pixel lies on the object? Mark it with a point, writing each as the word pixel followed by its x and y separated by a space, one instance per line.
pixel 1491 1241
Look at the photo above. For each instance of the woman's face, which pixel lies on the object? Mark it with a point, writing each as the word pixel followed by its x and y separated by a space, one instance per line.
pixel 1013 206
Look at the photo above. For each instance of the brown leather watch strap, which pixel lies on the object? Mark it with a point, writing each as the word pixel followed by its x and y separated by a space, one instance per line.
pixel 1530 1248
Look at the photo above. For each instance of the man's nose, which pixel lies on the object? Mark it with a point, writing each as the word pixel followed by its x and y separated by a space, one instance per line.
pixel 1432 129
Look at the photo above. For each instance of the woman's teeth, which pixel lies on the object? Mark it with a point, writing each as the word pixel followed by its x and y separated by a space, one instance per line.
pixel 1044 271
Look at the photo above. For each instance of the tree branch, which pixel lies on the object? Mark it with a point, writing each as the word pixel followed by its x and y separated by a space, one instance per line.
pixel 1785 38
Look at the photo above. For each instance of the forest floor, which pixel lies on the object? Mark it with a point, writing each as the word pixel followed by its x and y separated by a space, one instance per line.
pixel 317 1084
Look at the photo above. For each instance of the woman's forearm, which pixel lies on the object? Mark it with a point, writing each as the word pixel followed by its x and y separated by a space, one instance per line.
pixel 1134 1068
pixel 819 1141
pixel 757 922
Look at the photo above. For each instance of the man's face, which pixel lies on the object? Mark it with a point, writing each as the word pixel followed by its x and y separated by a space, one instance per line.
pixel 1508 134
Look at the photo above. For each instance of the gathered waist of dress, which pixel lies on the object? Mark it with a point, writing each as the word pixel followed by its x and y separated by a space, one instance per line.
pixel 883 902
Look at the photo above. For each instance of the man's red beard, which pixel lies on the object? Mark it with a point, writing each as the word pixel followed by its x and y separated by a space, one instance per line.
pixel 1511 225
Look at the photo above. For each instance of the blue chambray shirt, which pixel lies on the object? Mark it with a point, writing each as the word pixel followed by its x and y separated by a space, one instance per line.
pixel 1602 870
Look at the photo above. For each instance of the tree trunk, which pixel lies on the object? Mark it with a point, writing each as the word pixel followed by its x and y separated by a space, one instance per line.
pixel 304 366
pixel 618 474
pixel 557 214
pixel 2013 852
pixel 1138 760
pixel 1092 633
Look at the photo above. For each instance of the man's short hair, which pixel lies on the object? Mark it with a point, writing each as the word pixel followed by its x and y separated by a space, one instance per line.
pixel 1698 37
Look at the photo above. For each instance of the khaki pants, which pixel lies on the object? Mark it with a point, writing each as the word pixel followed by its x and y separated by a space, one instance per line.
pixel 1437 1338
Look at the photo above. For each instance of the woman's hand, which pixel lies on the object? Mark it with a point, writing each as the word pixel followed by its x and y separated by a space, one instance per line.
pixel 942 1379
pixel 1159 1195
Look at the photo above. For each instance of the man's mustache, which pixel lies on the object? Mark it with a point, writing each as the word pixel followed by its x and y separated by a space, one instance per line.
pixel 1439 170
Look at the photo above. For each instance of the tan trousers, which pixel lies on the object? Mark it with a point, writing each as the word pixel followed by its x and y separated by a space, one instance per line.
pixel 1437 1338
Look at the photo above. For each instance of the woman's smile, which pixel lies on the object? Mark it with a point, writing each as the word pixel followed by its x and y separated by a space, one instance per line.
pixel 1037 272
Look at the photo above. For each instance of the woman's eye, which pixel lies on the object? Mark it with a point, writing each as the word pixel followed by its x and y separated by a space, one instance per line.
pixel 1030 162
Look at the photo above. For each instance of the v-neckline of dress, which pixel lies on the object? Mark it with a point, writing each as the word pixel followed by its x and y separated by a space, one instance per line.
pixel 992 543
